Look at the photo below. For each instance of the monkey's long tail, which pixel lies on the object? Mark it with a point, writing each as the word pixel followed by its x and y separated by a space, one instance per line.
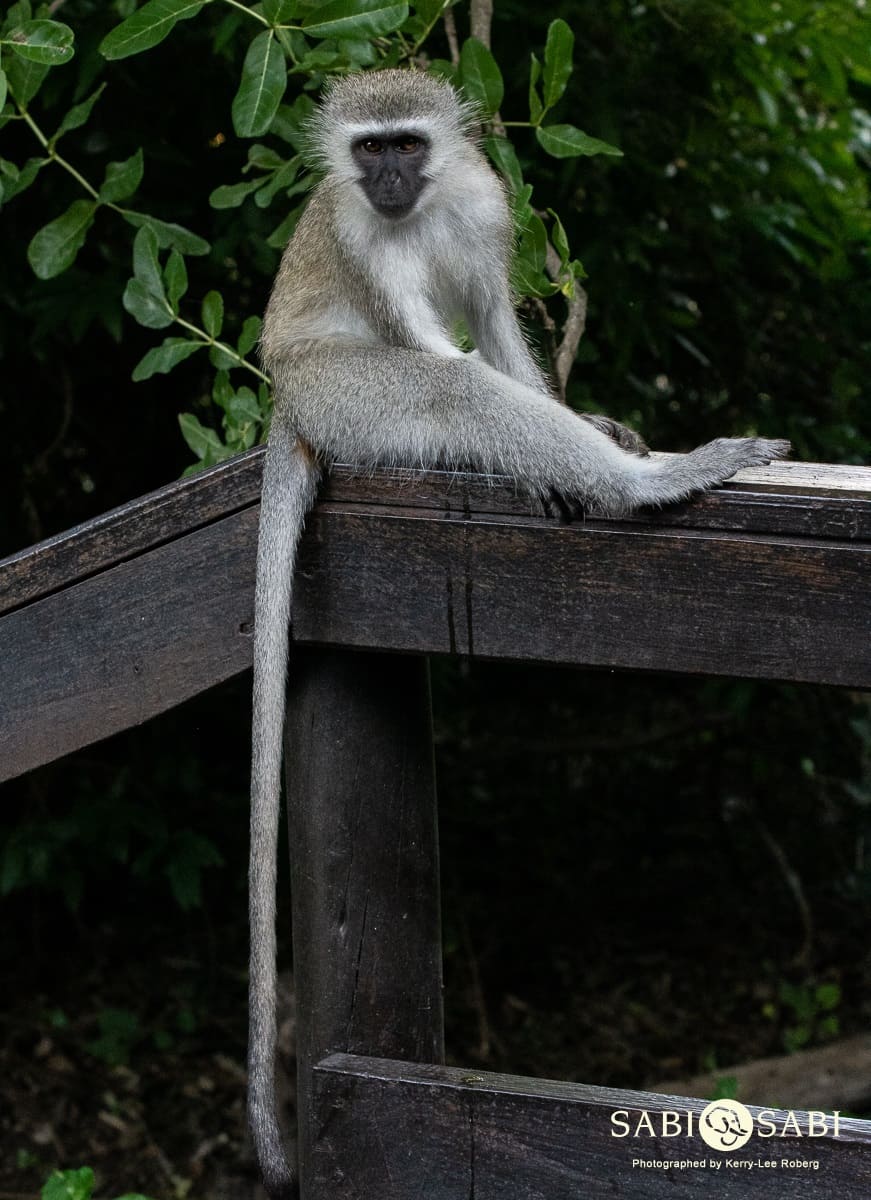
pixel 290 480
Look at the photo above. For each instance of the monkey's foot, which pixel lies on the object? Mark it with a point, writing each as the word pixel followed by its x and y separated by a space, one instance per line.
pixel 565 508
pixel 626 438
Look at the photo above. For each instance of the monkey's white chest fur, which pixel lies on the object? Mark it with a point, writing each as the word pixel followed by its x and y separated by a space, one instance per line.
pixel 420 266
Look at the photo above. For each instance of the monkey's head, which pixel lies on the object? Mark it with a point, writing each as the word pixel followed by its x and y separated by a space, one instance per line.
pixel 391 133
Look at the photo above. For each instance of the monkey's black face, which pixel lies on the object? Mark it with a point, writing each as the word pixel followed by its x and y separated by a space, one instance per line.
pixel 391 171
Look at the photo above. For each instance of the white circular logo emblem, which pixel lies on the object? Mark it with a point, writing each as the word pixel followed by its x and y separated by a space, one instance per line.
pixel 725 1125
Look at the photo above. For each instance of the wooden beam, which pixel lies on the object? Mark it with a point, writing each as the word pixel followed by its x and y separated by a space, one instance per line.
pixel 119 647
pixel 401 1131
pixel 143 608
pixel 806 499
pixel 364 859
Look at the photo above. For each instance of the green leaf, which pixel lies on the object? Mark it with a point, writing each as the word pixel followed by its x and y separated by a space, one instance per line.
pixel 47 42
pixel 231 195
pixel 533 242
pixel 282 233
pixel 521 207
pixel 559 239
pixel 282 180
pixel 148 309
pixel 536 108
pixel 15 181
pixel 249 335
pixel 480 77
pixel 4 87
pixel 69 1185
pixel 444 69
pixel 175 277
pixel 565 141
pixel 222 389
pixel 290 121
pixel 17 14
pixel 280 12
pixel 528 275
pixel 221 359
pixel 200 439
pixel 146 267
pixel 244 407
pixel 557 61
pixel 213 313
pixel 169 234
pixel 502 153
pixel 241 437
pixel 577 269
pixel 78 114
pixel 122 179
pixel 293 43
pixel 55 246
pixel 828 995
pixel 25 78
pixel 317 60
pixel 355 19
pixel 164 357
pixel 264 80
pixel 358 51
pixel 264 158
pixel 526 281
pixel 147 27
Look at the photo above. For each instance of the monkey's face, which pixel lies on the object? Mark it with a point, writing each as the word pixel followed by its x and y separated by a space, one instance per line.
pixel 391 170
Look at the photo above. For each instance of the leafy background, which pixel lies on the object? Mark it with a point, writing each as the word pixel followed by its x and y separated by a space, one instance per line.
pixel 707 273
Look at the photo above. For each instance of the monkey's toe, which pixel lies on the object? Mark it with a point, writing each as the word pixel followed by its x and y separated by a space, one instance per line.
pixel 556 505
pixel 626 438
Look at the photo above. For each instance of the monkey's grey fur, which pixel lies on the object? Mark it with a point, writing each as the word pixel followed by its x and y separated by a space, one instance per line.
pixel 357 340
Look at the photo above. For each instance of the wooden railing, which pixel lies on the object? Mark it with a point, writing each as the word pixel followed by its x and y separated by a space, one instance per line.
pixel 132 613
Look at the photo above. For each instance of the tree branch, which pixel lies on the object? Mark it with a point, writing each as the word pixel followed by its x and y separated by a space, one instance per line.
pixel 481 18
pixel 573 326
pixel 451 35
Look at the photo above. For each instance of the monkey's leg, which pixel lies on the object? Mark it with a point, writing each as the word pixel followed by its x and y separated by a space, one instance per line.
pixel 383 404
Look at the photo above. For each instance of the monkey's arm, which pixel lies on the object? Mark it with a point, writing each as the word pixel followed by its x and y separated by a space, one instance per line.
pixel 500 342
pixel 496 332
pixel 387 405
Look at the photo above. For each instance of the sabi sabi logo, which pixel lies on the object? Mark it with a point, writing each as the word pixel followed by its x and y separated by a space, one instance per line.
pixel 725 1125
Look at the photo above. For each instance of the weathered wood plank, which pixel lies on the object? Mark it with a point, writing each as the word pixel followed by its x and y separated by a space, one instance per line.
pixel 401 1131
pixel 807 499
pixel 595 595
pixel 151 520
pixel 364 864
pixel 133 641
pixel 125 645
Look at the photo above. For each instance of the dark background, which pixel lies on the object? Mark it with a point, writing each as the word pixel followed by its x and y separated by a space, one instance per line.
pixel 643 876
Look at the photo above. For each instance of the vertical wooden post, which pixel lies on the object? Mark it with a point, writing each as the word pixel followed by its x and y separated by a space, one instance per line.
pixel 364 864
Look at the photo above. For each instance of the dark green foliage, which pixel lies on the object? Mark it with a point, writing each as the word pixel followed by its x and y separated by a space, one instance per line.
pixel 76 1184
pixel 292 46
pixel 707 163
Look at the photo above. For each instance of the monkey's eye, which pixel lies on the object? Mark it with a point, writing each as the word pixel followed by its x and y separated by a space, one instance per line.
pixel 407 145
pixel 371 146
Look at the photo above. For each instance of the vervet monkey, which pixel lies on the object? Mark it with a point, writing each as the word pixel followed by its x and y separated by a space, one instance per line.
pixel 408 231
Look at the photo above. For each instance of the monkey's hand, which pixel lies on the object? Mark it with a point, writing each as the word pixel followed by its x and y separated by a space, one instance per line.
pixel 626 438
